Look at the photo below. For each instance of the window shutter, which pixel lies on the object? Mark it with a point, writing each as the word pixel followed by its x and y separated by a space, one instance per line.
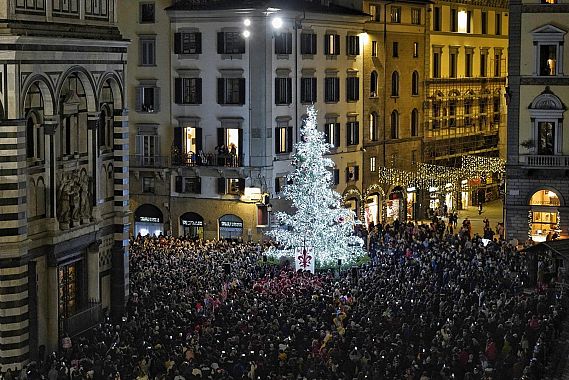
pixel 220 43
pixel 198 43
pixel 314 90
pixel 348 46
pixel 289 90
pixel 303 92
pixel 337 44
pixel 289 43
pixel 348 89
pixel 337 87
pixel 198 188
pixel 349 133
pixel 277 141
pixel 336 173
pixel 240 147
pixel 198 90
pixel 337 134
pixel 327 44
pixel 356 132
pixel 304 43
pixel 289 139
pixel 178 139
pixel 220 136
pixel 241 185
pixel 277 90
pixel 139 98
pixel 179 181
pixel 241 91
pixel 357 47
pixel 220 90
pixel 313 43
pixel 178 90
pixel 326 133
pixel 156 99
pixel 177 43
pixel 199 145
pixel 139 151
pixel 221 185
pixel 347 174
pixel 357 89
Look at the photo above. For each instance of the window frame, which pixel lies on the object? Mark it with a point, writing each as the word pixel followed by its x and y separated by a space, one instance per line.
pixel 141 19
pixel 331 89
pixel 395 14
pixel 416 16
pixel 308 90
pixel 352 89
pixel 145 41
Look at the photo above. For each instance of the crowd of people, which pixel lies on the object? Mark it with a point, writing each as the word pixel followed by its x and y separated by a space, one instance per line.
pixel 429 304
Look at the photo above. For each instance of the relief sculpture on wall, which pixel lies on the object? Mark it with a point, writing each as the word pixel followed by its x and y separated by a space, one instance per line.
pixel 74 195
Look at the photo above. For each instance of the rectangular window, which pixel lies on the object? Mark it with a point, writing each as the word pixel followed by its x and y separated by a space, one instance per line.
pixel 280 183
pixel 452 65
pixel 147 51
pixel 374 48
pixel 188 43
pixel 372 164
pixel 498 24
pixel 331 44
pixel 545 138
pixel 100 8
pixel 147 148
pixel 332 90
pixel 231 91
pixel 468 21
pixel 283 139
pixel 308 90
pixel 192 185
pixel 484 22
pixel 332 134
pixel 188 91
pixel 547 60
pixel 148 99
pixel 416 16
pixel 283 43
pixel 353 45
pixel 352 89
pixel 147 12
pixel 497 65
pixel 436 65
pixel 335 177
pixel 468 65
pixel 454 20
pixel 30 5
pixel 64 6
pixel 395 13
pixel 353 133
pixel 230 43
pixel 395 50
pixel 483 64
pixel 308 43
pixel 283 91
pixel 437 19
pixel 148 184
pixel 415 49
pixel 374 12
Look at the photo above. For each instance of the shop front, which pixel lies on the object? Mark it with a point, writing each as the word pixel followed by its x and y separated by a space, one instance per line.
pixel 373 209
pixel 543 216
pixel 148 220
pixel 230 227
pixel 412 207
pixel 396 206
pixel 191 225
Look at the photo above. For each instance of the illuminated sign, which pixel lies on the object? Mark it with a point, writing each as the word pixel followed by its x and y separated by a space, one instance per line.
pixel 149 219
pixel 230 224
pixel 192 223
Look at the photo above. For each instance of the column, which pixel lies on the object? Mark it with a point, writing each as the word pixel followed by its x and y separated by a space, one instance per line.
pixel 50 127
pixel 93 292
pixel 93 154
pixel 52 309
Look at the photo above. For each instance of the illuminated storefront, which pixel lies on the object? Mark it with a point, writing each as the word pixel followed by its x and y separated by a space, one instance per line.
pixel 230 227
pixel 148 219
pixel 543 216
pixel 373 209
pixel 191 225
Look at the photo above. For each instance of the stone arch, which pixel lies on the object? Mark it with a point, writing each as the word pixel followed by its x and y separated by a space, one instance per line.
pixel 352 192
pixel 116 85
pixel 46 90
pixel 87 82
pixel 547 100
pixel 454 92
pixel 375 188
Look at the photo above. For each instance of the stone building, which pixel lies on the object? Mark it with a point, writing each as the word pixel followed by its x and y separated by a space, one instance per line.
pixel 219 91
pixel 64 172
pixel 538 149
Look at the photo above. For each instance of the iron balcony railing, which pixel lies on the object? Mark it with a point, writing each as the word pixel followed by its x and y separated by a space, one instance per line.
pixel 83 320
pixel 544 161
pixel 207 159
pixel 139 161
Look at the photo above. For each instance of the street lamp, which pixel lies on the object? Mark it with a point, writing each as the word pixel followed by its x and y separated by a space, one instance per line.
pixel 277 22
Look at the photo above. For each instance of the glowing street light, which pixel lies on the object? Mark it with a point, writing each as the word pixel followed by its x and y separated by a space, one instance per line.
pixel 246 33
pixel 277 22
pixel 247 22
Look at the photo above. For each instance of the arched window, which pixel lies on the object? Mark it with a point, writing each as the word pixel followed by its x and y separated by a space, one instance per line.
pixel 34 137
pixel 415 83
pixel 395 84
pixel 373 84
pixel 394 125
pixel 373 126
pixel 544 215
pixel 415 122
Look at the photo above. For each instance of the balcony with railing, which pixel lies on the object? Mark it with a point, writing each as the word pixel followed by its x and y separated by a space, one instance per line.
pixel 544 161
pixel 207 159
pixel 139 161
pixel 83 320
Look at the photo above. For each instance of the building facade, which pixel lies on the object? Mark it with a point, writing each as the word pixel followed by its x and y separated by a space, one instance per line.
pixel 464 108
pixel 64 172
pixel 538 150
pixel 220 92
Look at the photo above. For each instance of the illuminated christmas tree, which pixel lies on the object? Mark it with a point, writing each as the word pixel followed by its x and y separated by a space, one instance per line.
pixel 320 220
